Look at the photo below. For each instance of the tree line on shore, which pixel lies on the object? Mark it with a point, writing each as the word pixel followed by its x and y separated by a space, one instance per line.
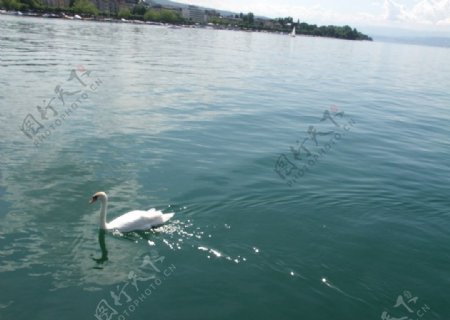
pixel 345 32
pixel 248 21
pixel 87 8
pixel 141 12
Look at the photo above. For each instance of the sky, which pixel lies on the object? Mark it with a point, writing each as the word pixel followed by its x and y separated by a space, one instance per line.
pixel 422 16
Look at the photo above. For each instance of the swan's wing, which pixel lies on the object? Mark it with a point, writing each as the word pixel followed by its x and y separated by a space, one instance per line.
pixel 139 220
pixel 157 217
pixel 167 216
pixel 127 222
pixel 163 216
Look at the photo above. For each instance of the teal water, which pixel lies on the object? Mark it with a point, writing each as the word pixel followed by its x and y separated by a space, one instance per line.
pixel 194 121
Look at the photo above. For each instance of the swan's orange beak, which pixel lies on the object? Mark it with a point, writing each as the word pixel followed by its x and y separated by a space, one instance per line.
pixel 93 199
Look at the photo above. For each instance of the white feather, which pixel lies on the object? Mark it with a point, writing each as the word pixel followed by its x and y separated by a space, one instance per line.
pixel 139 220
pixel 131 221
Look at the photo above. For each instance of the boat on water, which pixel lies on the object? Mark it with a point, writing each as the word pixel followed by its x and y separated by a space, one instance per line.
pixel 292 34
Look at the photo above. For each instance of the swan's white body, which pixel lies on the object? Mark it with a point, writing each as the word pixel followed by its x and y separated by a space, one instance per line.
pixel 131 221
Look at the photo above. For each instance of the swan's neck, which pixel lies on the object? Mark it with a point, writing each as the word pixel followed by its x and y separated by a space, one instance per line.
pixel 103 213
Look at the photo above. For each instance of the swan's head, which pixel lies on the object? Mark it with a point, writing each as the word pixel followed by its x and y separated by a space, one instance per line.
pixel 98 195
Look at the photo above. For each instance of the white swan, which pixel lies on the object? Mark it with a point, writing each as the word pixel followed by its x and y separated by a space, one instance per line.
pixel 131 221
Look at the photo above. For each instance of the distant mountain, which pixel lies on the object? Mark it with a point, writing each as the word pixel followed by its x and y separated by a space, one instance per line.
pixel 170 3
pixel 184 5
pixel 426 41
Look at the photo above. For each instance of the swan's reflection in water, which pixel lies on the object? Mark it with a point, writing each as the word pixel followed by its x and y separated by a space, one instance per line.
pixel 102 243
pixel 176 235
pixel 134 236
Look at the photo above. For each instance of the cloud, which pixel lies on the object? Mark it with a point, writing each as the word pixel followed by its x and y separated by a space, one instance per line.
pixel 425 12
pixel 434 12
pixel 393 11
pixel 428 14
pixel 445 22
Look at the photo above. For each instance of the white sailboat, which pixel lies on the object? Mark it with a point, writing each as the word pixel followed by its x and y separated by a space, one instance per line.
pixel 292 34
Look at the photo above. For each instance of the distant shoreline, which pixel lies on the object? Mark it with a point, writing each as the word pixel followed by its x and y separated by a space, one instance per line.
pixel 210 26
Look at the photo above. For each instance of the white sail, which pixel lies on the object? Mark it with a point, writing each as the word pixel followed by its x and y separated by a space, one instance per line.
pixel 292 34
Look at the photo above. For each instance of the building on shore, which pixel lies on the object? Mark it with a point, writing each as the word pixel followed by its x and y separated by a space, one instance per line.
pixel 213 14
pixel 194 14
pixel 107 6
pixel 271 24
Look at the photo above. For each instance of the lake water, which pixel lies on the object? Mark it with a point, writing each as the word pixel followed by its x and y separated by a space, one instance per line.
pixel 309 177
